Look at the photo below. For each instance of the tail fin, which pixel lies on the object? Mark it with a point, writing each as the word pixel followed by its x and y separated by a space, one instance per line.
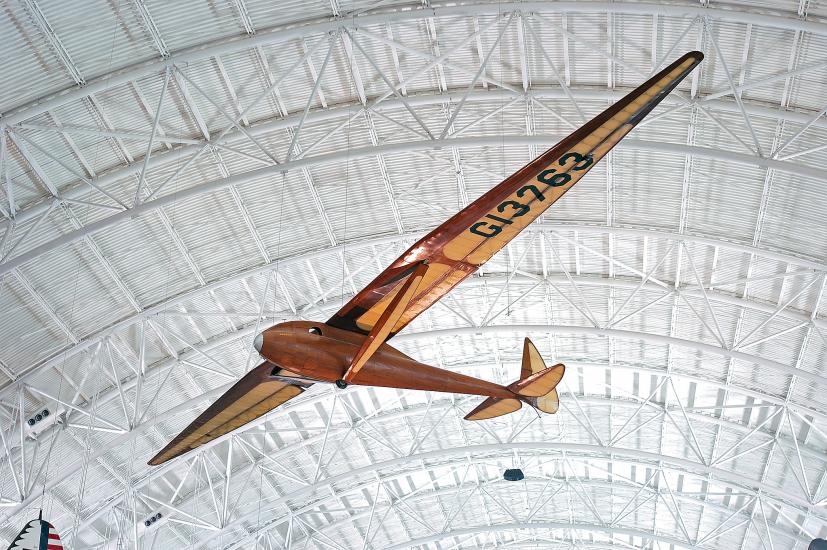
pixel 38 534
pixel 537 386
pixel 532 360
pixel 540 389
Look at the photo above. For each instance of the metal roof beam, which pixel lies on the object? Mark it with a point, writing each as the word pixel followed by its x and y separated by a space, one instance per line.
pixel 420 409
pixel 38 298
pixel 506 328
pixel 149 111
pixel 346 110
pixel 151 28
pixel 646 535
pixel 437 493
pixel 192 107
pixel 242 209
pixel 105 397
pixel 265 37
pixel 391 416
pixel 32 161
pixel 300 258
pixel 641 457
pixel 244 17
pixel 622 334
pixel 367 152
pixel 387 417
pixel 75 222
pixel 356 75
pixel 54 41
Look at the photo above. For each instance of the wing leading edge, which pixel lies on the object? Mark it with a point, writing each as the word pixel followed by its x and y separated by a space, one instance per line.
pixel 459 246
pixel 257 393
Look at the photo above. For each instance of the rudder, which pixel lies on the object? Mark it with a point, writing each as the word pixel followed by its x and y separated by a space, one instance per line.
pixel 532 360
pixel 537 380
pixel 537 386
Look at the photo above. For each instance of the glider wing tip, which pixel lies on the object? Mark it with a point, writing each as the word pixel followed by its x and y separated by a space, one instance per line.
pixel 694 54
pixel 165 455
pixel 157 460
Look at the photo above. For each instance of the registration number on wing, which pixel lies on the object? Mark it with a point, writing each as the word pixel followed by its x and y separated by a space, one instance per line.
pixel 531 194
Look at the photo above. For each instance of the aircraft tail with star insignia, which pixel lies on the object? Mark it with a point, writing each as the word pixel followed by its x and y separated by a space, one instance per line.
pixel 38 534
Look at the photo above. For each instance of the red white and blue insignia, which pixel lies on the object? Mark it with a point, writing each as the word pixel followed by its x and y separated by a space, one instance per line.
pixel 38 534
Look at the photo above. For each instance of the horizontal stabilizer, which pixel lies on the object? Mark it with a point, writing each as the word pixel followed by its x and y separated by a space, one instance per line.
pixel 494 407
pixel 257 393
pixel 537 387
pixel 548 403
pixel 539 383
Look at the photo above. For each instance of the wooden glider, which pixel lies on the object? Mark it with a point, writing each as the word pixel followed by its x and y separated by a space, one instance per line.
pixel 352 346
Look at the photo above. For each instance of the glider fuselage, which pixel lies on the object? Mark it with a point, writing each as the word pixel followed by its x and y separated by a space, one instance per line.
pixel 325 356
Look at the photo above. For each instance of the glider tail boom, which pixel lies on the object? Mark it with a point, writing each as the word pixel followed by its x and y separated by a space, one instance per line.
pixel 537 386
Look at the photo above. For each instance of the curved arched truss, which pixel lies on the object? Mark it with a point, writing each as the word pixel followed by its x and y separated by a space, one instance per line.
pixel 712 444
pixel 692 413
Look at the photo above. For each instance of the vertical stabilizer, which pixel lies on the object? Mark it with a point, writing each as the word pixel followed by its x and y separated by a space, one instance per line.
pixel 532 360
pixel 37 535
pixel 537 386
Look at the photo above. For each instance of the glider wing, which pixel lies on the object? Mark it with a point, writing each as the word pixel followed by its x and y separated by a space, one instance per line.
pixel 257 393
pixel 458 247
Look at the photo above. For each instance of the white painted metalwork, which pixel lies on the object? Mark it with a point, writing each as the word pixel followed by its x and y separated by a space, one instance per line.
pixel 167 193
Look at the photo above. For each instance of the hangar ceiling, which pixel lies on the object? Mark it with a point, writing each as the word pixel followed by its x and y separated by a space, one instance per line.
pixel 175 177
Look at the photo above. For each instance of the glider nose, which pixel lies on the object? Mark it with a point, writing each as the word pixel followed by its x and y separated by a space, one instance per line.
pixel 259 340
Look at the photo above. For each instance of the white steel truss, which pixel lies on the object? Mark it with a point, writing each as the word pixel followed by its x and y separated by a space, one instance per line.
pixel 779 412
pixel 691 411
